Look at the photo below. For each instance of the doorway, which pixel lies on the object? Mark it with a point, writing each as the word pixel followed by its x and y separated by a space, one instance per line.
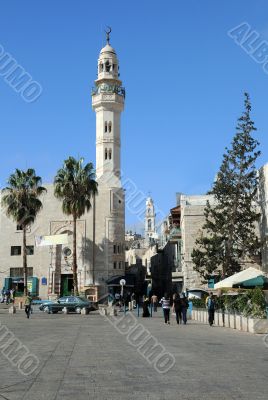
pixel 66 285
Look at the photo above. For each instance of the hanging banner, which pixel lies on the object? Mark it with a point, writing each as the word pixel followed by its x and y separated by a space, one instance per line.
pixel 51 240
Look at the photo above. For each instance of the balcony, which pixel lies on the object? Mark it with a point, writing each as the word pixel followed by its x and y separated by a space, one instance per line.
pixel 108 89
pixel 174 234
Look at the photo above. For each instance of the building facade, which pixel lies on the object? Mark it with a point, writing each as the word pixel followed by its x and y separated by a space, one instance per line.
pixel 100 232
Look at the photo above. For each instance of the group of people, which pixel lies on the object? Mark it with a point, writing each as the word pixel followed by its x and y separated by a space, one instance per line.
pixel 178 304
pixel 7 295
pixel 124 299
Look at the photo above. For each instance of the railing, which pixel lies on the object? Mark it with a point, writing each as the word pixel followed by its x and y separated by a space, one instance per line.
pixel 105 88
pixel 175 232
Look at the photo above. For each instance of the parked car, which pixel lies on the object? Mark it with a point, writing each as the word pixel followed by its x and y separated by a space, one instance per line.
pixel 76 303
pixel 72 303
pixel 51 307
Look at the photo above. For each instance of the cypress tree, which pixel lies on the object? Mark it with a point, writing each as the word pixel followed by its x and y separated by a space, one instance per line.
pixel 229 234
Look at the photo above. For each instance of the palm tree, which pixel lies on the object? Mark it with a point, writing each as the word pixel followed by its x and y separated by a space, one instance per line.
pixel 75 185
pixel 21 202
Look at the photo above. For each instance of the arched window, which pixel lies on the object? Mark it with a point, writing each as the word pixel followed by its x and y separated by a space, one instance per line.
pixel 105 127
pixel 110 127
pixel 149 224
pixel 110 154
pixel 106 154
pixel 107 66
pixel 101 67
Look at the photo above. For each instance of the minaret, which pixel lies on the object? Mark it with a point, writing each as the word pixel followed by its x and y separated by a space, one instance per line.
pixel 108 97
pixel 108 102
pixel 150 220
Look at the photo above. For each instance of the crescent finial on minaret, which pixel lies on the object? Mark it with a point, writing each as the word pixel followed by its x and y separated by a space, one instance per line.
pixel 108 34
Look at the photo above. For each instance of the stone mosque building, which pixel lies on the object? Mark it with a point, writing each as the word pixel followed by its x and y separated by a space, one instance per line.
pixel 100 233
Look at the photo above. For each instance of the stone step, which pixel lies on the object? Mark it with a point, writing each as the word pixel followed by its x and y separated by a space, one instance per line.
pixel 4 306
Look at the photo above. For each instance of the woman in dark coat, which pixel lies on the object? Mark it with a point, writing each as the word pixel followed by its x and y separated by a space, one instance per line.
pixel 184 306
pixel 145 308
pixel 177 308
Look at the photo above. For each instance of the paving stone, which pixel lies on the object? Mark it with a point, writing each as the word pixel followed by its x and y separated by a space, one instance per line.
pixel 87 358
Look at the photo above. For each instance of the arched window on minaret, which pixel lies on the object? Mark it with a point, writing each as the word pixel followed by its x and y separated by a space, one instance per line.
pixel 149 224
pixel 105 127
pixel 106 154
pixel 110 127
pixel 101 67
pixel 107 66
pixel 110 154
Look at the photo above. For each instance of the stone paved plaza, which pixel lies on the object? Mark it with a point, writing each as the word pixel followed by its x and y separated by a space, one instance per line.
pixel 84 357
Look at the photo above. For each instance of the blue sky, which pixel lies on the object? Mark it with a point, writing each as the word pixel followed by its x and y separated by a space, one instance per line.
pixel 184 78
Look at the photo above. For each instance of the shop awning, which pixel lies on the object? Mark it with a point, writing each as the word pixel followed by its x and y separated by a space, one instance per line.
pixel 248 277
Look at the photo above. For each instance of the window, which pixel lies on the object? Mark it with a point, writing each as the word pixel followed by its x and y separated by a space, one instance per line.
pixel 119 265
pixel 19 228
pixel 114 249
pixel 115 265
pixel 14 272
pixel 101 67
pixel 110 127
pixel 149 224
pixel 15 250
pixel 118 249
pixel 110 154
pixel 105 127
pixel 106 154
pixel 107 66
pixel 30 250
pixel 67 252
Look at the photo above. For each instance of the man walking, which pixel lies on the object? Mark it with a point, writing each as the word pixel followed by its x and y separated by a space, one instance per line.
pixel 165 301
pixel 211 305
pixel 28 303
pixel 184 307
pixel 154 301
pixel 177 308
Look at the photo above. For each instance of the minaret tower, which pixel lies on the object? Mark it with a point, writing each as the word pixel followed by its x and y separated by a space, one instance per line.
pixel 108 102
pixel 108 97
pixel 150 220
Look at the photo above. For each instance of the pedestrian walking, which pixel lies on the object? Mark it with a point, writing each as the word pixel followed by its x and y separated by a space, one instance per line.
pixel 28 303
pixel 177 308
pixel 211 305
pixel 145 308
pixel 3 295
pixel 12 297
pixel 165 301
pixel 184 307
pixel 117 298
pixel 154 301
pixel 7 296
pixel 133 299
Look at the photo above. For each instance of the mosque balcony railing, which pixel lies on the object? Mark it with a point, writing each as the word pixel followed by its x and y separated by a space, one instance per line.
pixel 108 89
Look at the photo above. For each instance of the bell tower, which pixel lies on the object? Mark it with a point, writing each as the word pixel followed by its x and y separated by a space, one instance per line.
pixel 108 97
pixel 150 233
